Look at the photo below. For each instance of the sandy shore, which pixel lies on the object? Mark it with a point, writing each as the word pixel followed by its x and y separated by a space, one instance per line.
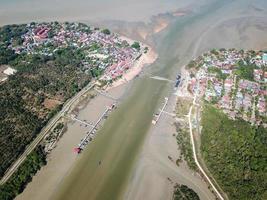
pixel 136 69
pixel 155 169
pixel 161 25
pixel 149 179
pixel 62 159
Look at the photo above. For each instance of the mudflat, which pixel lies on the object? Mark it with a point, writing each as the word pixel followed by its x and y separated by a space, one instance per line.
pixel 18 11
pixel 126 159
pixel 133 155
pixel 62 159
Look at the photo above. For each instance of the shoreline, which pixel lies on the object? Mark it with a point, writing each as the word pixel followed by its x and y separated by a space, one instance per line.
pixel 182 46
pixel 137 67
pixel 154 166
pixel 62 158
pixel 197 116
pixel 214 187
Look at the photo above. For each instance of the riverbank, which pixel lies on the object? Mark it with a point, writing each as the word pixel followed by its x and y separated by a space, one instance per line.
pixel 147 58
pixel 153 168
pixel 236 120
pixel 103 54
pixel 157 165
pixel 62 159
pixel 124 132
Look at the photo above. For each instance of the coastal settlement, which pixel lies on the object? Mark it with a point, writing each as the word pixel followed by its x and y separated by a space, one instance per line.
pixel 222 120
pixel 101 50
pixel 234 81
pixel 42 66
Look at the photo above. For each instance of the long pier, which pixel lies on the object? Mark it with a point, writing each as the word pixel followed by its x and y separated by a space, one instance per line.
pixel 161 111
pixel 87 136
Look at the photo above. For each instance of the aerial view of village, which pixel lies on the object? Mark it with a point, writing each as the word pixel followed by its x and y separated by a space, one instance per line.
pixel 133 100
pixel 99 59
pixel 235 81
pixel 223 94
pixel 99 50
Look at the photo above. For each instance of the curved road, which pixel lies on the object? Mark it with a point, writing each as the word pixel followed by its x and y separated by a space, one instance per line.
pixel 194 149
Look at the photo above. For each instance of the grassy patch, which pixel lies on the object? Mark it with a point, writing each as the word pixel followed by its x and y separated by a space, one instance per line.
pixel 245 71
pixel 183 141
pixel 182 106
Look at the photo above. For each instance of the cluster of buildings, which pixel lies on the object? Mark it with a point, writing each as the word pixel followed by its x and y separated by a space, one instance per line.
pixel 107 53
pixel 235 81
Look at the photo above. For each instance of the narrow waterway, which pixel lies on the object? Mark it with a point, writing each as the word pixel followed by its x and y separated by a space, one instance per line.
pixel 119 141
pixel 209 24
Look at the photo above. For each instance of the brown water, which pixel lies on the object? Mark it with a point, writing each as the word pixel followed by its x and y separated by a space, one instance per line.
pixel 118 142
pixel 18 11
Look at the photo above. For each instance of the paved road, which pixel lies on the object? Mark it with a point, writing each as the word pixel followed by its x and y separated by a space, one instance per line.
pixel 44 132
pixel 194 149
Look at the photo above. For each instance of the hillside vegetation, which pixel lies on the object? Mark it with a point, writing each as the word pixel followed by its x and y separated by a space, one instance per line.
pixel 236 154
pixel 23 175
pixel 42 65
pixel 34 94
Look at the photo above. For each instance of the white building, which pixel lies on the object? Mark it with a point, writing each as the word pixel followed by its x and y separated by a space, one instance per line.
pixel 9 71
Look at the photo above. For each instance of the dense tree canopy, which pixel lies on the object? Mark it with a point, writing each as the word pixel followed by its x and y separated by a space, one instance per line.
pixel 236 154
pixel 23 175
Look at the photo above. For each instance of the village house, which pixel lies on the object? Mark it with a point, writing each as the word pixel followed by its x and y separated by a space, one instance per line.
pixel 262 105
pixel 106 52
pixel 235 95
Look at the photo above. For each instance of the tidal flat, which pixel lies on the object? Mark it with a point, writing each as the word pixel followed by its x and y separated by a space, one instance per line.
pixel 121 144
